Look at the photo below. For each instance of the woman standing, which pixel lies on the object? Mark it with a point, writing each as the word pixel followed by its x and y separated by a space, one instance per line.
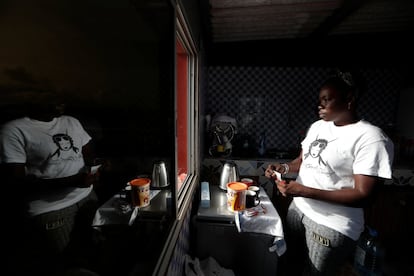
pixel 342 162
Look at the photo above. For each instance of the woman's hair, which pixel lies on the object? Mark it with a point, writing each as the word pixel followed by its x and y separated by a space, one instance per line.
pixel 345 82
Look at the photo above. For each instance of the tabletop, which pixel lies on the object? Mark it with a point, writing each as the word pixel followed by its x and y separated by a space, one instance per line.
pixel 266 219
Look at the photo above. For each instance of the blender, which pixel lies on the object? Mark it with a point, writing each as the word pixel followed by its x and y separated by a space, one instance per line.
pixel 222 128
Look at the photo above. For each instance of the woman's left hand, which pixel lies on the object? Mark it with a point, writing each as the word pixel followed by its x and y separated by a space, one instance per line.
pixel 291 188
pixel 90 179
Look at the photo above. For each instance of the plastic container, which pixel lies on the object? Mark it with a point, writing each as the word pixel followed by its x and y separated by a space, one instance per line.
pixel 205 194
pixel 369 254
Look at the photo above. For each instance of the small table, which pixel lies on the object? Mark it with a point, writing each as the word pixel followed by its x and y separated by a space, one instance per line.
pixel 233 241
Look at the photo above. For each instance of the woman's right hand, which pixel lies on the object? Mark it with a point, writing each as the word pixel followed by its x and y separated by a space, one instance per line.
pixel 270 171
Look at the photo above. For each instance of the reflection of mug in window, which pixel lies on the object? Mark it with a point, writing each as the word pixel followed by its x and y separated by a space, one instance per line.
pixel 144 195
pixel 140 192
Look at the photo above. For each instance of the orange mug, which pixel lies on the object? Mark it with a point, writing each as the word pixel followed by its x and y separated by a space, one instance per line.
pixel 236 196
pixel 140 191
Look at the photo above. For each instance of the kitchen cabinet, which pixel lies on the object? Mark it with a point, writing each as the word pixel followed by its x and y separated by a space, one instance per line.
pixel 130 250
pixel 391 214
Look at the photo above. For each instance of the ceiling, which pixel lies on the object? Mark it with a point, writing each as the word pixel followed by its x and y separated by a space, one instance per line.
pixel 252 20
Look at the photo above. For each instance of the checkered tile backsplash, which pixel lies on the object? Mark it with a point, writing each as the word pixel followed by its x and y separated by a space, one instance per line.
pixel 283 101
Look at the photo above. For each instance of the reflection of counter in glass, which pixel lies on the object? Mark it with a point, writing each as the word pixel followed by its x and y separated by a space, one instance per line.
pixel 246 253
pixel 117 211
pixel 131 249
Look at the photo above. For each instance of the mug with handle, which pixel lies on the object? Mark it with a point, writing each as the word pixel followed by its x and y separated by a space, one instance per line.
pixel 252 199
pixel 255 189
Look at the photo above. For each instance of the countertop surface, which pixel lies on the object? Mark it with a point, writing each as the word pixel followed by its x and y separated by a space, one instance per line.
pixel 262 219
pixel 218 207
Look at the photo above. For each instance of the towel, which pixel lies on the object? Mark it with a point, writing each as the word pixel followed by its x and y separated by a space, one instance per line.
pixel 263 219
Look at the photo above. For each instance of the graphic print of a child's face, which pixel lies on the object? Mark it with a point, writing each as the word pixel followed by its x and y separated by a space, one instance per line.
pixel 315 150
pixel 63 141
pixel 316 147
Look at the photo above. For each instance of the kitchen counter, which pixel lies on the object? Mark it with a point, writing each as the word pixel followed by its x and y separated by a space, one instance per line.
pixel 131 247
pixel 117 211
pixel 217 236
pixel 217 210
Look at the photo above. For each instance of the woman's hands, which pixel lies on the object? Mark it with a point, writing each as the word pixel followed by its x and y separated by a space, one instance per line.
pixel 289 188
pixel 274 171
pixel 90 179
pixel 286 187
pixel 272 168
pixel 93 175
pixel 360 196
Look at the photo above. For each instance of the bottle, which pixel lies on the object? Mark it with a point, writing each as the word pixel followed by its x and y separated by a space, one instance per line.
pixel 262 144
pixel 369 254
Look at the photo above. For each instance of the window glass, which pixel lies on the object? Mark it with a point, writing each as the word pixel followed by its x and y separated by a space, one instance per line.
pixel 182 114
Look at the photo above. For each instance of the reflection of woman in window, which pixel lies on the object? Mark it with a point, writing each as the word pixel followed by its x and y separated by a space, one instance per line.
pixel 55 191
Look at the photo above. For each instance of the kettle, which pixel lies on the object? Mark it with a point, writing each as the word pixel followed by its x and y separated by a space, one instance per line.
pixel 159 175
pixel 230 173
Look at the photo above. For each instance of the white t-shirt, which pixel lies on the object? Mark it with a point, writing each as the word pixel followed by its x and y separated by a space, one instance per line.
pixel 49 150
pixel 331 156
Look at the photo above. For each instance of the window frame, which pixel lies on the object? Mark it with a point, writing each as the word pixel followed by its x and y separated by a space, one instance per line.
pixel 183 193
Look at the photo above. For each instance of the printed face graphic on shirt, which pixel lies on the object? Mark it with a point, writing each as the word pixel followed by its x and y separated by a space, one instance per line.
pixel 64 143
pixel 315 150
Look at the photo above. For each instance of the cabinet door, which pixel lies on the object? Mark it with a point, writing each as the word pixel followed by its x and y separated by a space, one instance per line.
pixel 244 253
pixel 391 215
